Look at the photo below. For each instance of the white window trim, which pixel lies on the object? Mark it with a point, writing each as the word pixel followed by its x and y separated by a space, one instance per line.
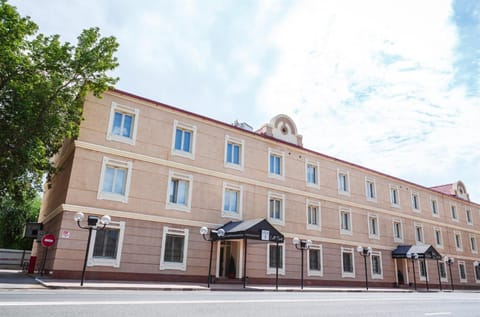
pixel 185 177
pixel 347 250
pixel 189 127
pixel 397 189
pixel 281 197
pixel 462 280
pixel 420 225
pixel 444 279
pixel 174 266
pixel 228 213
pixel 112 196
pixel 315 272
pixel 347 178
pixel 92 261
pixel 318 205
pixel 423 278
pixel 344 231
pixel 125 109
pixel 282 164
pixel 476 244
pixel 317 175
pixel 417 195
pixel 435 230
pixel 469 211
pixel 371 180
pixel 477 280
pixel 376 276
pixel 395 239
pixel 456 213
pixel 458 248
pixel 438 207
pixel 370 235
pixel 241 143
pixel 272 270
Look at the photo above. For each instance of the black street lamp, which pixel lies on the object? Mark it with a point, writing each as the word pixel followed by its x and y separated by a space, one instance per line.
pixel 92 223
pixel 220 233
pixel 449 261
pixel 365 252
pixel 413 256
pixel 302 245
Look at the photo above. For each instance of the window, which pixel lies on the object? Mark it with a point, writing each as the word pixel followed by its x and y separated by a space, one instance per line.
pixel 312 176
pixel 174 249
pixel 394 196
pixel 274 253
pixel 313 215
pixel 462 272
pixel 345 221
pixel 434 206
pixel 179 191
pixel 315 260
pixel 376 265
pixel 233 152
pixel 232 201
pixel 438 237
pixel 458 241
pixel 275 164
pixel 107 245
pixel 476 268
pixel 276 208
pixel 122 126
pixel 454 212
pixel 184 140
pixel 423 269
pixel 343 182
pixel 397 230
pixel 348 264
pixel 468 215
pixel 373 228
pixel 415 201
pixel 443 271
pixel 473 244
pixel 370 190
pixel 418 233
pixel 114 180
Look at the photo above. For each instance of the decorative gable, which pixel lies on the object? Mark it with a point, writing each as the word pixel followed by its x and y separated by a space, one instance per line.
pixel 283 128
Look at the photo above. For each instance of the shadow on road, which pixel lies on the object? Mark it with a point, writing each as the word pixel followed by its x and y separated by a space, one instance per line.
pixel 17 279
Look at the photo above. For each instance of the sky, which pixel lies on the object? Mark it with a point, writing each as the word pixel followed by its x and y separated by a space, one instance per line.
pixel 390 85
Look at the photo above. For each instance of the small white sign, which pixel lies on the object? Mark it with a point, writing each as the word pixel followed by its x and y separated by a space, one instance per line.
pixel 65 234
pixel 265 235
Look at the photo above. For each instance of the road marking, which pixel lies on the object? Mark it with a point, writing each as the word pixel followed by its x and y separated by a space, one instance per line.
pixel 438 314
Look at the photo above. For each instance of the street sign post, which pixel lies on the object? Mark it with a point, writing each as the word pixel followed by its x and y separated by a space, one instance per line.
pixel 47 241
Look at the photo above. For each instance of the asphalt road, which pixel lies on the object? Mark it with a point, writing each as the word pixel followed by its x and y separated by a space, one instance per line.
pixel 44 302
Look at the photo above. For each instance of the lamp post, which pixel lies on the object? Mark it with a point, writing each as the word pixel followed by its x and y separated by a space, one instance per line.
pixel 301 245
pixel 413 256
pixel 220 233
pixel 92 223
pixel 365 252
pixel 449 261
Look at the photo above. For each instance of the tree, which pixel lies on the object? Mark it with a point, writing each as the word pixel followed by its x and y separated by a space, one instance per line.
pixel 43 84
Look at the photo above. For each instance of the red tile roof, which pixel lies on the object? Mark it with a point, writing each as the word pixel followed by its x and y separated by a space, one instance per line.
pixel 445 189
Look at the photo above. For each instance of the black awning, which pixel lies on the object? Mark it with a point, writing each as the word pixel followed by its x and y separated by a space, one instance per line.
pixel 255 229
pixel 423 251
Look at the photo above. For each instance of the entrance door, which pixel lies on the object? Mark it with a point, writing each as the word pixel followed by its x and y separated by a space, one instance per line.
pixel 228 260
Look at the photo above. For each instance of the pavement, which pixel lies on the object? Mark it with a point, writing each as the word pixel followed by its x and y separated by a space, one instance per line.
pixel 16 279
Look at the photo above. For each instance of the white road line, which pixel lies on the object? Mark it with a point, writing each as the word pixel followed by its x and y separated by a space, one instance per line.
pixel 438 314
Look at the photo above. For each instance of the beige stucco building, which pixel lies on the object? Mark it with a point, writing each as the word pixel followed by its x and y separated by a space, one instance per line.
pixel 162 173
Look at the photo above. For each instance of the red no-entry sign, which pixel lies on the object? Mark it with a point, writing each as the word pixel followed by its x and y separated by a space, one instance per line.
pixel 48 240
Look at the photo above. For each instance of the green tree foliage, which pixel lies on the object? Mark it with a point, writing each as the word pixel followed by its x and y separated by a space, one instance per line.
pixel 13 217
pixel 43 84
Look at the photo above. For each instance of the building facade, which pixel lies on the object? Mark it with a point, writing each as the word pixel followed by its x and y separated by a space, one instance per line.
pixel 162 173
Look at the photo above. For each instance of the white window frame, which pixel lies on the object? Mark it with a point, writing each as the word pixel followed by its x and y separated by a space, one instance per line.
pixel 107 161
pixel 459 235
pixel 374 275
pixel 239 190
pixel 92 261
pixel 126 110
pixel 469 214
pixel 184 177
pixel 400 222
pixel 346 175
pixel 415 226
pixel 454 211
pixel 391 189
pixel 422 277
pixel 241 144
pixel 171 265
pixel 474 246
pixel 341 211
pixel 316 166
pixel 439 230
pixel 186 127
pixel 311 272
pixel 347 274
pixel 377 229
pixel 444 279
pixel 462 280
pixel 272 152
pixel 313 203
pixel 272 270
pixel 281 197
pixel 477 279
pixel 370 191
pixel 432 202
pixel 415 198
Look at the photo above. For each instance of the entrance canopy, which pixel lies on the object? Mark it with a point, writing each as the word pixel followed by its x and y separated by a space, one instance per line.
pixel 254 229
pixel 423 251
